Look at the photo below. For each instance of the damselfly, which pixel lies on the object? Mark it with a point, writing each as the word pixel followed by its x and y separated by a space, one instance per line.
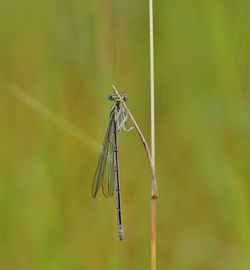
pixel 107 173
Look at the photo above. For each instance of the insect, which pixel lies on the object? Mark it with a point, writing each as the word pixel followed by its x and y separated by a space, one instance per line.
pixel 107 174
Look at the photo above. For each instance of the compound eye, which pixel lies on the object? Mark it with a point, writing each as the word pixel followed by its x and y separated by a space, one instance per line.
pixel 110 97
pixel 125 97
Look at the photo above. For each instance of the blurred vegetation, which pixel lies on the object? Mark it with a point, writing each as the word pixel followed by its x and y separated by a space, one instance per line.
pixel 66 55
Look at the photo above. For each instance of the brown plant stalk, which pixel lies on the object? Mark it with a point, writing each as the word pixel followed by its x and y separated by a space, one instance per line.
pixel 154 195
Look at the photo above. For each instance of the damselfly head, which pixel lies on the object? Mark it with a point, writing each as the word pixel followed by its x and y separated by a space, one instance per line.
pixel 114 97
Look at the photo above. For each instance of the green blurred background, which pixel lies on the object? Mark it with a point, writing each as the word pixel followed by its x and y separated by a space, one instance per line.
pixel 66 55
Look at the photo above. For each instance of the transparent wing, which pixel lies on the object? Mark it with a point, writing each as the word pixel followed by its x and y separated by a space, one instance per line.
pixel 108 182
pixel 104 174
